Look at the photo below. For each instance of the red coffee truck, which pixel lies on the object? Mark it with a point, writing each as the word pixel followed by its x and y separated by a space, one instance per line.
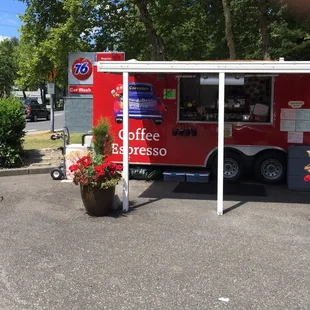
pixel 173 120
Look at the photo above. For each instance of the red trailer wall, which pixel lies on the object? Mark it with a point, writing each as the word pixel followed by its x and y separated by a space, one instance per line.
pixel 155 144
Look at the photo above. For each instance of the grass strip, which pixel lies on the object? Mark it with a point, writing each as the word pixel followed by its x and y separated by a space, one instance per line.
pixel 42 140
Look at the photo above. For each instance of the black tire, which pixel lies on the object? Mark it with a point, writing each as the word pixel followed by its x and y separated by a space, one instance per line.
pixel 234 162
pixel 270 167
pixel 34 118
pixel 57 174
pixel 48 117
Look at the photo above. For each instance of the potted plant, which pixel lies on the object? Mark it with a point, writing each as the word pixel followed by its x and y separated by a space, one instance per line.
pixel 96 175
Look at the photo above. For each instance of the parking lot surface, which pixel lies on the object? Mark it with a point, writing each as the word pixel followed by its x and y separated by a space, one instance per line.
pixel 171 251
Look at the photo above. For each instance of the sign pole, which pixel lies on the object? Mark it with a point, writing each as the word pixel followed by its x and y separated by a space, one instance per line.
pixel 52 112
pixel 220 151
pixel 51 92
pixel 125 143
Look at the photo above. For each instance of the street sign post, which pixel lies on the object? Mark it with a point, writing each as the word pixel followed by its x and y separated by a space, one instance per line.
pixel 51 91
pixel 51 88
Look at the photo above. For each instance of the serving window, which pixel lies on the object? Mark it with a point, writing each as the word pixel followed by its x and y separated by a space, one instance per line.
pixel 247 98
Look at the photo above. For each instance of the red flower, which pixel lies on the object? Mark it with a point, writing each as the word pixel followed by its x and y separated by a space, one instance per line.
pixel 73 168
pixel 98 172
pixel 85 161
pixel 97 168
pixel 307 178
pixel 112 166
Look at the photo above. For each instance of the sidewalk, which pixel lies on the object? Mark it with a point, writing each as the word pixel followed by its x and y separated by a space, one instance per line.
pixel 36 162
pixel 170 252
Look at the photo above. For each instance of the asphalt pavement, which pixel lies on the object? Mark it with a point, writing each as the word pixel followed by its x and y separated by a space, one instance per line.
pixel 170 252
pixel 44 125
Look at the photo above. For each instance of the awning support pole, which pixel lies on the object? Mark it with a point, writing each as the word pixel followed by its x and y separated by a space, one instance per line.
pixel 125 143
pixel 220 161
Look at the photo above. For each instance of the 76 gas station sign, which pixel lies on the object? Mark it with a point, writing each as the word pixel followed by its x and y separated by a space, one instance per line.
pixel 81 68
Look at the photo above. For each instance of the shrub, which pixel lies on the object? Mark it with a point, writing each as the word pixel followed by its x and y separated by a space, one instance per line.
pixel 12 125
pixel 102 137
pixel 95 169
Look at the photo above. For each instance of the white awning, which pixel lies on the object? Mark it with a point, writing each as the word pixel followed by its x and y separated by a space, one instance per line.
pixel 204 66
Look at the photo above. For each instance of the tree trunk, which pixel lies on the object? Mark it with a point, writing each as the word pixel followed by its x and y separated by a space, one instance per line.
pixel 263 25
pixel 156 40
pixel 229 30
pixel 24 94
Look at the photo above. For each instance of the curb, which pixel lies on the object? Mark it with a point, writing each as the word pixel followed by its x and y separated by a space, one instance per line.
pixel 24 171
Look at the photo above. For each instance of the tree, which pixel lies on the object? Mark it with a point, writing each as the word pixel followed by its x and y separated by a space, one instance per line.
pixel 51 30
pixel 264 28
pixel 229 29
pixel 8 65
pixel 156 40
pixel 156 30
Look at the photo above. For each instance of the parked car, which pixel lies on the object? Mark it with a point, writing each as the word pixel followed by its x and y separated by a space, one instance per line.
pixel 34 110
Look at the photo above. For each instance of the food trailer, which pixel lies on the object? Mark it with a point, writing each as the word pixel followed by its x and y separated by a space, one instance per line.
pixel 190 114
pixel 173 120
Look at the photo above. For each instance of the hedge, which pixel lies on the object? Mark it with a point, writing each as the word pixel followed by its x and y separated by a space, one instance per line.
pixel 12 125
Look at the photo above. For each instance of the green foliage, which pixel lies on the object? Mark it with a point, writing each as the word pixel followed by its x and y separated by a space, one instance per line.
pixel 190 29
pixel 12 125
pixel 51 29
pixel 102 137
pixel 8 65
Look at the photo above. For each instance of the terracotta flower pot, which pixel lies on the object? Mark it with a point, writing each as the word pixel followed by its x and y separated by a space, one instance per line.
pixel 97 202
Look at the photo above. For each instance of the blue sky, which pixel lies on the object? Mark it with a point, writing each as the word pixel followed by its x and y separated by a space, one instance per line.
pixel 9 21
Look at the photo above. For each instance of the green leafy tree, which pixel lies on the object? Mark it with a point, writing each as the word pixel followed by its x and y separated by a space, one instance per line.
pixel 51 29
pixel 8 65
pixel 156 30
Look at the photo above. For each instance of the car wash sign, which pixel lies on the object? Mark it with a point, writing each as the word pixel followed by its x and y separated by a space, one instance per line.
pixel 80 73
pixel 81 68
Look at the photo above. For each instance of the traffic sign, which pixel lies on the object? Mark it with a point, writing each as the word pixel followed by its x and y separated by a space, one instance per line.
pixel 51 88
pixel 52 75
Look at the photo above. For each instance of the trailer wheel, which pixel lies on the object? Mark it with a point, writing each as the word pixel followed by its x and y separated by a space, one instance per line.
pixel 233 166
pixel 270 167
pixel 56 174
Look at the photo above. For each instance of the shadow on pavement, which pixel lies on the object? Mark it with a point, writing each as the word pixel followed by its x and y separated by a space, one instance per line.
pixel 265 193
pixel 133 205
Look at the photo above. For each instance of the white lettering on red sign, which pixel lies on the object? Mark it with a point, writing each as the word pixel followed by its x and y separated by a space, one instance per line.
pixel 80 90
pixel 140 135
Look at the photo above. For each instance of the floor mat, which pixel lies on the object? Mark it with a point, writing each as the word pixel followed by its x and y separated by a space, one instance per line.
pixel 235 189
